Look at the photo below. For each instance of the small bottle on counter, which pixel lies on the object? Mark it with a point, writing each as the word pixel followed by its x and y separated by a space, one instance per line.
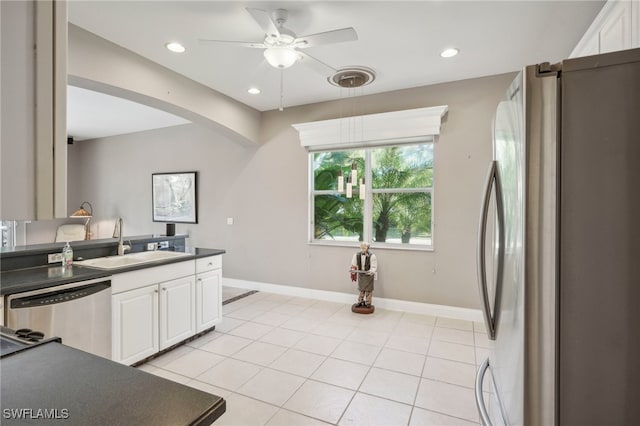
pixel 67 256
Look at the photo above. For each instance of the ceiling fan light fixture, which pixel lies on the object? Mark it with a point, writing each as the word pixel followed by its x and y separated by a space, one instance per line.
pixel 287 37
pixel 280 57
pixel 175 47
pixel 449 53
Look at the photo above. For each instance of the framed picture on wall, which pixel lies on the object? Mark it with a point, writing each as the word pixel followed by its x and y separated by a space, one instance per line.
pixel 175 197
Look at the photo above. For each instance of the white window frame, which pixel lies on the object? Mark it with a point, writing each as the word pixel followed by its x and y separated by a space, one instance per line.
pixel 414 126
pixel 367 214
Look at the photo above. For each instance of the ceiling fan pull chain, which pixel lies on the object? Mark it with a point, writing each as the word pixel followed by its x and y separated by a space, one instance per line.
pixel 281 89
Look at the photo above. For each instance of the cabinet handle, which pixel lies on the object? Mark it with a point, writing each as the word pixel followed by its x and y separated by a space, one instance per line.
pixel 164 289
pixel 200 279
pixel 155 291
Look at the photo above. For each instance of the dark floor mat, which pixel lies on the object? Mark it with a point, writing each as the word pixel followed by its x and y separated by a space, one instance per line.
pixel 238 297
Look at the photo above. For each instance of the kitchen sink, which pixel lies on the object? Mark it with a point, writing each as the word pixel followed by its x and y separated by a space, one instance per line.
pixel 113 262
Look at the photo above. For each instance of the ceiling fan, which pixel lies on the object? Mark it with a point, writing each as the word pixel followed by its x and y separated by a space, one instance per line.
pixel 282 45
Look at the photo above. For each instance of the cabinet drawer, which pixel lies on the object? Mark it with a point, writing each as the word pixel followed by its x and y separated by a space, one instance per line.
pixel 136 279
pixel 208 263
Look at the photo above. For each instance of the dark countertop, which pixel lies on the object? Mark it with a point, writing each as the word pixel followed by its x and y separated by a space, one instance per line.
pixel 21 280
pixel 96 391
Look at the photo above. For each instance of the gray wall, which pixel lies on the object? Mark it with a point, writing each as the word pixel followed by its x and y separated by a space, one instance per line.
pixel 264 190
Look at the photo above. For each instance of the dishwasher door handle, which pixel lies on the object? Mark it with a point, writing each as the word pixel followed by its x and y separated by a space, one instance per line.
pixel 55 295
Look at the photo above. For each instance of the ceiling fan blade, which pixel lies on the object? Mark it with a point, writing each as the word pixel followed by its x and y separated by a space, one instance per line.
pixel 335 36
pixel 316 64
pixel 258 45
pixel 263 18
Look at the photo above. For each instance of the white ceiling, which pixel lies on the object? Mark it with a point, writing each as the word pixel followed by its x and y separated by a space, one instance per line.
pixel 400 40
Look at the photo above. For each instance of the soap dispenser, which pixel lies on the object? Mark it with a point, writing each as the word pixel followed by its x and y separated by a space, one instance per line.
pixel 67 256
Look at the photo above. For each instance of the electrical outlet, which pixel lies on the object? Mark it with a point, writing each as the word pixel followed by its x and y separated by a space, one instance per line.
pixel 152 246
pixel 54 258
pixel 163 244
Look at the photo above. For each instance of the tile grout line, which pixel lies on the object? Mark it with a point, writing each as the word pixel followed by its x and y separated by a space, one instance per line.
pixel 395 321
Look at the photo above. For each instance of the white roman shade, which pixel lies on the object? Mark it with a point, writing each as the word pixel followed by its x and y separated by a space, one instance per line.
pixel 413 125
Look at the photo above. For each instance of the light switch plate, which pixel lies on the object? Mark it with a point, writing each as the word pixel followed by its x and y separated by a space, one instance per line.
pixel 229 221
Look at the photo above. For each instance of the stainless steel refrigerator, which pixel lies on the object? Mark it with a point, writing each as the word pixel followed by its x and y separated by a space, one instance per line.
pixel 559 247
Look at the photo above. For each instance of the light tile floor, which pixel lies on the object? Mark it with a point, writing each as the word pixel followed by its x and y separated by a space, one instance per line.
pixel 280 360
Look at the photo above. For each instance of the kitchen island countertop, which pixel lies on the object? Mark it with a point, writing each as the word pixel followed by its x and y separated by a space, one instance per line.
pixel 73 387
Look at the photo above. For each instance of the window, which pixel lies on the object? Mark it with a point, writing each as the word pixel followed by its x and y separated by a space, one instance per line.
pixel 397 205
pixel 336 217
pixel 393 152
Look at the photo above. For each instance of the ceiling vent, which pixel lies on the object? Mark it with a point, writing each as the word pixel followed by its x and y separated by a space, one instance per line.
pixel 352 77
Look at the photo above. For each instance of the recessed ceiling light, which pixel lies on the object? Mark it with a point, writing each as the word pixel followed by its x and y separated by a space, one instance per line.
pixel 449 53
pixel 175 47
pixel 253 90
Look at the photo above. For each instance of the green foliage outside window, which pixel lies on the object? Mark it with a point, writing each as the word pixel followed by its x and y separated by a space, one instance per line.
pixel 402 210
pixel 401 179
pixel 336 217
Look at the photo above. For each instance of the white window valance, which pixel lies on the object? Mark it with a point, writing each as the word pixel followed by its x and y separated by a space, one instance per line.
pixel 406 126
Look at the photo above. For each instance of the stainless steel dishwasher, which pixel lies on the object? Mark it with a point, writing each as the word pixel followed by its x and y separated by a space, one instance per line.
pixel 79 313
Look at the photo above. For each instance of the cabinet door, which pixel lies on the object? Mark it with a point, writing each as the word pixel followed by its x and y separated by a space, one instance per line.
pixel 135 324
pixel 177 311
pixel 33 135
pixel 615 33
pixel 209 299
pixel 612 30
pixel 635 24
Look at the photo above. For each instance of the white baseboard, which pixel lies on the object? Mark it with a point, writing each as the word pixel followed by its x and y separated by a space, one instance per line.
pixel 334 296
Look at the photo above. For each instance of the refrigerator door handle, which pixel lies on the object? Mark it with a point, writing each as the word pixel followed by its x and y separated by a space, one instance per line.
pixel 490 319
pixel 482 407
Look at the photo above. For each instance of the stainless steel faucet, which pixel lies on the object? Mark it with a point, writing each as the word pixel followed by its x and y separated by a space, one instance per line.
pixel 122 248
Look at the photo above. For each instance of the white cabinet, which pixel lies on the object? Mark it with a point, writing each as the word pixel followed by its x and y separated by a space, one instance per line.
pixel 135 324
pixel 615 33
pixel 156 308
pixel 152 309
pixel 33 135
pixel 635 24
pixel 208 292
pixel 615 28
pixel 177 311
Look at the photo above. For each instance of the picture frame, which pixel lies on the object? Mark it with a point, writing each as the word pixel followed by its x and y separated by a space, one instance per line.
pixel 175 197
